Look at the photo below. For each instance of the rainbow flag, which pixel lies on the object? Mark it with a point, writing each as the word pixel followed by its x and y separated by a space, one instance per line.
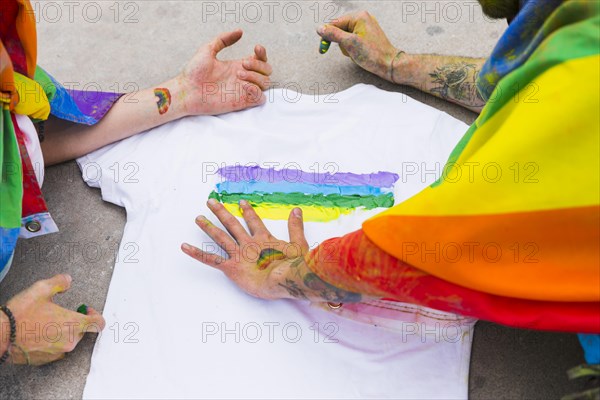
pixel 540 207
pixel 322 196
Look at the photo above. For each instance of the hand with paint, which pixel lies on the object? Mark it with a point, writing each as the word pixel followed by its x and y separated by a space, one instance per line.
pixel 209 86
pixel 361 38
pixel 45 331
pixel 260 264
pixel 451 78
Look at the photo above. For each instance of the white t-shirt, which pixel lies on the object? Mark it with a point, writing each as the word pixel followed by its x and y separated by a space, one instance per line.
pixel 177 328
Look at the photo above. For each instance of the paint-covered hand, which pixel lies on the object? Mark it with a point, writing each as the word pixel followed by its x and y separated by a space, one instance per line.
pixel 46 331
pixel 361 38
pixel 209 86
pixel 256 260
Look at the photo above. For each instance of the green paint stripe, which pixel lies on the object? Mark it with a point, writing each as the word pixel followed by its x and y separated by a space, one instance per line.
pixel 299 199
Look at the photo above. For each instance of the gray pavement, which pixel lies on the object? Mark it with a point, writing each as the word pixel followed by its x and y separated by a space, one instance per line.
pixel 123 45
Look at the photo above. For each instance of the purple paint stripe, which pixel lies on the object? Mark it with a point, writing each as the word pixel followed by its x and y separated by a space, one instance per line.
pixel 239 173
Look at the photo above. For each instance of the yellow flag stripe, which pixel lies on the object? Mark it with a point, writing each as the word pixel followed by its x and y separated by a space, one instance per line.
pixel 539 152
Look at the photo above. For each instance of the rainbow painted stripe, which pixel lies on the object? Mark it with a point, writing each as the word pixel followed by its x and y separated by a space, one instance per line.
pixel 322 196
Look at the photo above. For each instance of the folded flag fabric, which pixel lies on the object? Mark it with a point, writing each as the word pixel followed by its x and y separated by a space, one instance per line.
pixel 520 193
pixel 28 90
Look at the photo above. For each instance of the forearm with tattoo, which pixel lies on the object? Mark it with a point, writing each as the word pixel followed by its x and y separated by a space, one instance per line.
pixel 448 77
pixel 457 82
pixel 294 279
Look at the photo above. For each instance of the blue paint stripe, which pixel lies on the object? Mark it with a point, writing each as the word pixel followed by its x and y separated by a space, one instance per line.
pixel 289 187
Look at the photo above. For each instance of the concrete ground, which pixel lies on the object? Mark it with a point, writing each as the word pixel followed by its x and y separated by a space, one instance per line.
pixel 123 45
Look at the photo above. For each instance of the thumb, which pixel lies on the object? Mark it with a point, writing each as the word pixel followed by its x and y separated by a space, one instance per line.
pixel 225 39
pixel 56 284
pixel 94 322
pixel 296 230
pixel 333 33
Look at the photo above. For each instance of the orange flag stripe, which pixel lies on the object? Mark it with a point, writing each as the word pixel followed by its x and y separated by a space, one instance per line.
pixel 523 256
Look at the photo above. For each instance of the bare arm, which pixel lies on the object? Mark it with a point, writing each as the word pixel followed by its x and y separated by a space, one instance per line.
pixel 207 86
pixel 129 115
pixel 450 77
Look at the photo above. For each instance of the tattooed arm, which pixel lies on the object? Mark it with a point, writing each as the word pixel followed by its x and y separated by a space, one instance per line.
pixel 451 78
pixel 207 86
pixel 294 279
pixel 361 38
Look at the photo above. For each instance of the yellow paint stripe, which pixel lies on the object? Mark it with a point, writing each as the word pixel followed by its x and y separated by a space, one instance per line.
pixel 282 212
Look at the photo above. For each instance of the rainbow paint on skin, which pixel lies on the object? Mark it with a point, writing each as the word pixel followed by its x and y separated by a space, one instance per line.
pixel 322 196
pixel 164 99
pixel 267 256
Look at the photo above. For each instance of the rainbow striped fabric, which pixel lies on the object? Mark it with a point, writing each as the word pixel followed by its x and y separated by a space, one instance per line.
pixel 322 196
pixel 526 221
pixel 26 89
pixel 79 106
